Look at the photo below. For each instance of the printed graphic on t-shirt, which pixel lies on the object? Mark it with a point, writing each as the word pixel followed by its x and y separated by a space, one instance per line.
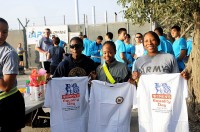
pixel 161 98
pixel 70 96
pixel 150 69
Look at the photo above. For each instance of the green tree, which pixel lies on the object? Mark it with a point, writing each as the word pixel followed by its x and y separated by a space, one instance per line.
pixel 167 13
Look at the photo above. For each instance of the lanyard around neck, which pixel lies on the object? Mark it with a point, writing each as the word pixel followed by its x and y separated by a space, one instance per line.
pixel 108 75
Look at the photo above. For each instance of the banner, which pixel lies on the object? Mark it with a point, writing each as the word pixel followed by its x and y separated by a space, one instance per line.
pixel 33 34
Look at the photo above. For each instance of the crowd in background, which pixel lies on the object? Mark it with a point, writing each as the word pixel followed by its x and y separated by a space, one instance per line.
pixel 126 52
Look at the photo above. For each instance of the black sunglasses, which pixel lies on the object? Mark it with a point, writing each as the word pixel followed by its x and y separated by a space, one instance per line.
pixel 139 37
pixel 76 46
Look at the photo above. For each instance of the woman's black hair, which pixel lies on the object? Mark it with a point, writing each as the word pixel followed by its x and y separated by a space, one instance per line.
pixel 79 40
pixel 112 44
pixel 3 21
pixel 155 36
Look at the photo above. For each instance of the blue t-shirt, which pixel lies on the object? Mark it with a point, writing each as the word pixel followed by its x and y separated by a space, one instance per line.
pixel 95 55
pixel 61 44
pixel 86 45
pixel 56 53
pixel 120 47
pixel 189 47
pixel 130 50
pixel 165 45
pixel 178 45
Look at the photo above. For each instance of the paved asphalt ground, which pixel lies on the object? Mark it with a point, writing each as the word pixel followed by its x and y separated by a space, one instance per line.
pixel 134 119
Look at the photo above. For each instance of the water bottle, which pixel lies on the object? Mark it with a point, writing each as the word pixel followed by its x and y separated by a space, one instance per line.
pixel 27 87
pixel 32 92
pixel 37 92
pixel 42 90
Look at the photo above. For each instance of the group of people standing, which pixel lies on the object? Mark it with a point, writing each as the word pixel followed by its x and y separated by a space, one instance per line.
pixel 122 62
pixel 89 56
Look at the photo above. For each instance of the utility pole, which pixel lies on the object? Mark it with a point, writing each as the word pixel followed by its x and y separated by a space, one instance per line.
pixel 25 39
pixel 77 11
pixel 106 21
pixel 84 21
pixel 45 21
pixel 64 19
pixel 93 15
pixel 115 17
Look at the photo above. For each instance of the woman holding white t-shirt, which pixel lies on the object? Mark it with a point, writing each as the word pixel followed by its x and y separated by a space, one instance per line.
pixel 155 62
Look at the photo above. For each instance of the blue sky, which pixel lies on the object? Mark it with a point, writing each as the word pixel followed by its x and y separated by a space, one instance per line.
pixel 54 10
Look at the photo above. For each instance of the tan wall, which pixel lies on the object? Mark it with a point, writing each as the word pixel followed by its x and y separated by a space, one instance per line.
pixel 15 37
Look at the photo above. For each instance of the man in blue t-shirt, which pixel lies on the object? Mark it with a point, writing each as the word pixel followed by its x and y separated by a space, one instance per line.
pixel 130 51
pixel 95 49
pixel 120 46
pixel 165 45
pixel 179 46
pixel 86 45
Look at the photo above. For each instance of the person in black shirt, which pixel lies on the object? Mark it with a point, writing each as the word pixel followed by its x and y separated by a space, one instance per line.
pixel 75 64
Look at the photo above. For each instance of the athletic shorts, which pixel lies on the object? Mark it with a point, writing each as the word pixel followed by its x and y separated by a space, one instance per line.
pixel 12 113
pixel 47 66
pixel 52 69
pixel 21 58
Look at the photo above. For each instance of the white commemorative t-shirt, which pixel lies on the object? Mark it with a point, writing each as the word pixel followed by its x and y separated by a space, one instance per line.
pixel 66 97
pixel 110 106
pixel 161 101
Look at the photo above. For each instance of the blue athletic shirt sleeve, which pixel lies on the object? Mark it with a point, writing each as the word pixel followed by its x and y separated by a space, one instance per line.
pixel 189 47
pixel 183 44
pixel 132 49
pixel 93 51
pixel 121 47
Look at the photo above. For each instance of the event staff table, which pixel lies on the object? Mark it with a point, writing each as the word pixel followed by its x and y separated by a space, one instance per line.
pixel 32 105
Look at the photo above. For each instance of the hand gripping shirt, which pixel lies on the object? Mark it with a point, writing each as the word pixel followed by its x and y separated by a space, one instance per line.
pixel 161 101
pixel 110 106
pixel 66 97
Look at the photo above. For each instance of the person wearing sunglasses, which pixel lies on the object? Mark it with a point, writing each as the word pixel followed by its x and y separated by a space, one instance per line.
pixel 76 63
pixel 139 48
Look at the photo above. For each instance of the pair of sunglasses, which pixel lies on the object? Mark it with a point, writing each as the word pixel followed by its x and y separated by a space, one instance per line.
pixel 139 37
pixel 76 46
